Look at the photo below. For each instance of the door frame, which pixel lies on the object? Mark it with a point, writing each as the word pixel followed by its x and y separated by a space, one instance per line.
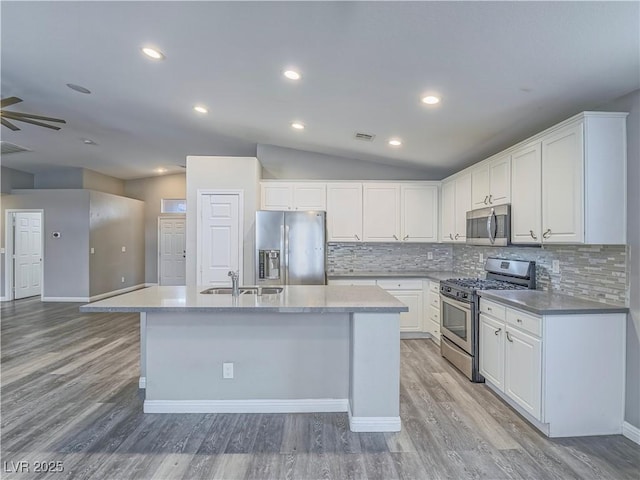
pixel 174 216
pixel 9 248
pixel 202 192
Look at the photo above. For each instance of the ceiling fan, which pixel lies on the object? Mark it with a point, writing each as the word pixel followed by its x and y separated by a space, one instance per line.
pixel 23 117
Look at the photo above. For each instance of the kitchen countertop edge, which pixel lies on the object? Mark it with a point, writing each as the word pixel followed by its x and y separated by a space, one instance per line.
pixel 436 275
pixel 541 302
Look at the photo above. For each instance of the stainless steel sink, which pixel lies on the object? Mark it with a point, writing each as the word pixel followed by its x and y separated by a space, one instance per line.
pixel 243 291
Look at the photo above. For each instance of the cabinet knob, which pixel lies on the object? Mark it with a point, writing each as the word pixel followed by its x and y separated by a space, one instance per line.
pixel 519 320
pixel 547 234
pixel 533 235
pixel 489 309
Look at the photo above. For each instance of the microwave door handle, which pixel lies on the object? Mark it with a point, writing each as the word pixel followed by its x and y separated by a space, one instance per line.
pixel 492 225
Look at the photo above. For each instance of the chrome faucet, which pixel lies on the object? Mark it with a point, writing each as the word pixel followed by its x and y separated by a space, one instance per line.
pixel 235 289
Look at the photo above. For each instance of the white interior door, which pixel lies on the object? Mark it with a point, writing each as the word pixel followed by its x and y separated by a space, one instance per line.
pixel 221 243
pixel 171 247
pixel 28 254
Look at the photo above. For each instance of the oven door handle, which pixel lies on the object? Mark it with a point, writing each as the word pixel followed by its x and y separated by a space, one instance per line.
pixel 456 303
pixel 492 226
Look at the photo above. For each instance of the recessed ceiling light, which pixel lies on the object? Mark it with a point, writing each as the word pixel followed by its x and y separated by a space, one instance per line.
pixel 153 53
pixel 430 100
pixel 78 88
pixel 200 109
pixel 160 170
pixel 292 75
pixel 88 141
pixel 394 142
pixel 297 125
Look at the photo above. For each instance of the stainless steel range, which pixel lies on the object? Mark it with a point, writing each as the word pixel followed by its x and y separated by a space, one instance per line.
pixel 460 312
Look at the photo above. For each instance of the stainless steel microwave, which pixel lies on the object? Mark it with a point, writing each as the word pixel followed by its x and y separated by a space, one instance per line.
pixel 489 226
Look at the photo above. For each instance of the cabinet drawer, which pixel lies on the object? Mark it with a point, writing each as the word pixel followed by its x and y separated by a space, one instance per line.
pixel 492 308
pixel 434 300
pixel 434 315
pixel 525 321
pixel 400 284
pixel 434 287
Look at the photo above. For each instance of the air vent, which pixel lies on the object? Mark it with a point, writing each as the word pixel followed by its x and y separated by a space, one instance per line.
pixel 365 137
pixel 8 148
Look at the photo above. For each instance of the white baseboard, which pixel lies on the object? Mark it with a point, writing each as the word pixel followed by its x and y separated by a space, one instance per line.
pixel 631 432
pixel 302 405
pixel 374 424
pixel 4 299
pixel 142 382
pixel 116 292
pixel 150 285
pixel 65 299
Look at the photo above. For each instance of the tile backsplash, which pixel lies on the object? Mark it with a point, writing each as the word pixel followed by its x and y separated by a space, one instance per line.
pixel 387 257
pixel 592 272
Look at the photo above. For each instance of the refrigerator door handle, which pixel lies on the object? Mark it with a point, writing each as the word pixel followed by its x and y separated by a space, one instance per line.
pixel 286 254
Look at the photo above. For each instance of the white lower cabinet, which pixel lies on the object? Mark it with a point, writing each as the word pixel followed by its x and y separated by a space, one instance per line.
pixel 432 309
pixel 408 292
pixel 563 372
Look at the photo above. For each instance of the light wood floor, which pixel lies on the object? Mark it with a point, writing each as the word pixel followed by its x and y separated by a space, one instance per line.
pixel 70 394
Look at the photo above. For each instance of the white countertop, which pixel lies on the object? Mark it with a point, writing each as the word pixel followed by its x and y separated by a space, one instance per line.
pixel 293 299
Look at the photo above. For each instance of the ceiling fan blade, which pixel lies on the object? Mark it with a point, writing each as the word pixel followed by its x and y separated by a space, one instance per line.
pixel 5 102
pixel 8 124
pixel 33 122
pixel 19 115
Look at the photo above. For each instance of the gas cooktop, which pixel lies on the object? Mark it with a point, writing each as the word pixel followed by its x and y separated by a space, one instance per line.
pixel 480 284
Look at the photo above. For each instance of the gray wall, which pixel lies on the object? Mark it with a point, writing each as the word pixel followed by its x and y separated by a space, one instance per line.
pixel 115 222
pixel 152 190
pixel 233 173
pixel 59 178
pixel 288 163
pixel 631 103
pixel 66 259
pixel 102 183
pixel 11 178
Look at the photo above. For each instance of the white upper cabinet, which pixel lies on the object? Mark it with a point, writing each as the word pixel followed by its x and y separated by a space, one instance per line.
pixel 381 218
pixel 419 213
pixel 569 186
pixel 526 194
pixel 293 196
pixel 344 212
pixel 400 212
pixel 456 202
pixel 491 182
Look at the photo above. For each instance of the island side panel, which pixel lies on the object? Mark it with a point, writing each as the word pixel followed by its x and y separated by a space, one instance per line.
pixel 374 393
pixel 276 356
pixel 142 382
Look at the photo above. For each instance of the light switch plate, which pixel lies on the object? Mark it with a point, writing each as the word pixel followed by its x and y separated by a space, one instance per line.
pixel 124 249
pixel 93 250
pixel 481 257
pixel 429 255
pixel 555 266
pixel 227 370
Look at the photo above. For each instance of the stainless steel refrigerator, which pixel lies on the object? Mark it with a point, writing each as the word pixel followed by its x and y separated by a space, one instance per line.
pixel 290 248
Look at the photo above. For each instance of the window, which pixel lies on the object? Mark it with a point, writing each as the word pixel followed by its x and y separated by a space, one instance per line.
pixel 173 205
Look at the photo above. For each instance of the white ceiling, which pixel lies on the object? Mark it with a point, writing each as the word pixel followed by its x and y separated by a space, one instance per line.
pixel 505 70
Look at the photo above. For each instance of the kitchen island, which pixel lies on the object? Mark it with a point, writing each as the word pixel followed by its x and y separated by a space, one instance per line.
pixel 306 349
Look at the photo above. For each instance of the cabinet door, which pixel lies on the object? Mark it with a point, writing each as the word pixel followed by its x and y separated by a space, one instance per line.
pixel 500 180
pixel 419 209
pixel 492 335
pixel 480 187
pixel 309 196
pixel 523 370
pixel 410 321
pixel 526 190
pixel 563 186
pixel 276 196
pixel 344 212
pixel 381 212
pixel 447 226
pixel 462 206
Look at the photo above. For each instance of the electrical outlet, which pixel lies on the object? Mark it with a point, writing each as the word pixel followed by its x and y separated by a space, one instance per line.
pixel 481 257
pixel 227 370
pixel 555 266
pixel 93 250
pixel 124 249
pixel 122 280
pixel 429 255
